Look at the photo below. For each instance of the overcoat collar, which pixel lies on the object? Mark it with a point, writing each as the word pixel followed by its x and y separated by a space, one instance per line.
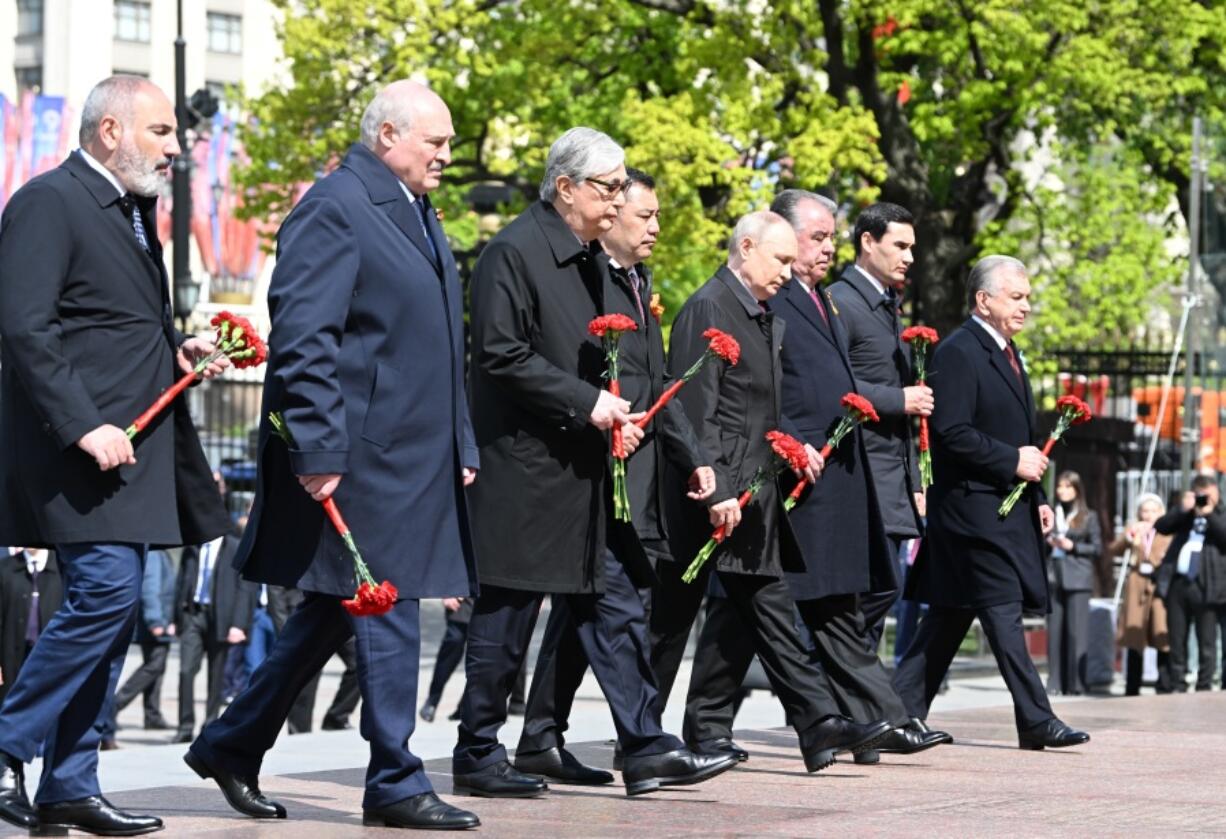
pixel 742 295
pixel 796 294
pixel 384 190
pixel 562 240
pixel 998 359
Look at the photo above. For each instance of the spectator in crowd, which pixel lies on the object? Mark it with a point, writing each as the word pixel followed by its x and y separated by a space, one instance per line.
pixel 1076 543
pixel 154 630
pixel 263 632
pixel 214 611
pixel 30 592
pixel 1142 619
pixel 1192 578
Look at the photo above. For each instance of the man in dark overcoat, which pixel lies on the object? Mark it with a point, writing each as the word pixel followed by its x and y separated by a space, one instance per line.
pixel 367 370
pixel 543 520
pixel 88 345
pixel 31 591
pixel 974 563
pixel 837 524
pixel 866 298
pixel 732 408
pixel 560 662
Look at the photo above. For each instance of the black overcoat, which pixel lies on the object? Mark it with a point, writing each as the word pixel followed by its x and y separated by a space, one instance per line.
pixel 367 366
pixel 542 506
pixel 882 366
pixel 669 436
pixel 731 408
pixel 970 557
pixel 837 523
pixel 87 339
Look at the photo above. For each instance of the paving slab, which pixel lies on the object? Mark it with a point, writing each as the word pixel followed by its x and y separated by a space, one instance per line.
pixel 1156 766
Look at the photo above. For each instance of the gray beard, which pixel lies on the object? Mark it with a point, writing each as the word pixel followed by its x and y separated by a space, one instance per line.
pixel 135 172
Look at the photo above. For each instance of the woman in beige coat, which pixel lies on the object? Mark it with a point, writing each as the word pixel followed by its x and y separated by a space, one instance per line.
pixel 1142 620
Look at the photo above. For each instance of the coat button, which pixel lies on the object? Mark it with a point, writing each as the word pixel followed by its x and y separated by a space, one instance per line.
pixel 47 427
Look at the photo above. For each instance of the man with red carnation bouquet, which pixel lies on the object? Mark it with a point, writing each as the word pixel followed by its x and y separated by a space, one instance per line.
pixel 364 413
pixel 837 523
pixel 733 409
pixel 88 345
pixel 544 519
pixel 983 557
pixel 669 438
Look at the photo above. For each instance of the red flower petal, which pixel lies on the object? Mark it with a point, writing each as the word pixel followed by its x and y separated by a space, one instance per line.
pixel 723 345
pixel 1080 410
pixel 920 333
pixel 862 406
pixel 611 323
pixel 789 449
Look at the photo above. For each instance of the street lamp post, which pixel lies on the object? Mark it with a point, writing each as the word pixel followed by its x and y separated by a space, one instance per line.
pixel 186 290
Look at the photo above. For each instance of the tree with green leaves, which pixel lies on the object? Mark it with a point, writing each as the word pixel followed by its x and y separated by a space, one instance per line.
pixel 1057 130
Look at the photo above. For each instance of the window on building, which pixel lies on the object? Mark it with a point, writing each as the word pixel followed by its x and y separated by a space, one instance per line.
pixel 29 78
pixel 132 21
pixel 225 32
pixel 29 17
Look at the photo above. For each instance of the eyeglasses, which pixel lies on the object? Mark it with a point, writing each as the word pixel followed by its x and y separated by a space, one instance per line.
pixel 609 189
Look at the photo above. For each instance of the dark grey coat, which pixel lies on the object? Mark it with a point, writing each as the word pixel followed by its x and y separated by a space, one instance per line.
pixel 882 364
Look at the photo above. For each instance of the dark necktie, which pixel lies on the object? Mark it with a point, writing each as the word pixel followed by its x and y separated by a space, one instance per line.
pixel 1012 356
pixel 33 621
pixel 636 287
pixel 422 209
pixel 132 211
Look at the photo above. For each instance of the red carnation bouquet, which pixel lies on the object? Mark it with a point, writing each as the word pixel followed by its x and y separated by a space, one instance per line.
pixel 788 453
pixel 859 410
pixel 1073 411
pixel 237 340
pixel 371 598
pixel 921 338
pixel 609 329
pixel 722 346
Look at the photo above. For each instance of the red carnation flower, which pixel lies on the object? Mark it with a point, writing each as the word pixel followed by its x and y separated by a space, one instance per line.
pixel 923 334
pixel 611 323
pixel 723 345
pixel 1079 409
pixel 789 448
pixel 372 600
pixel 862 406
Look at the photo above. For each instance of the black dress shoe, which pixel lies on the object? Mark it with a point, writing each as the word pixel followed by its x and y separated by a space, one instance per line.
pixel 93 815
pixel 916 724
pixel 157 725
pixel 868 757
pixel 182 737
pixel 242 792
pixel 720 746
pixel 427 711
pixel 14 803
pixel 557 764
pixel 454 715
pixel 335 725
pixel 421 812
pixel 501 780
pixel 821 743
pixel 1051 734
pixel 907 740
pixel 677 768
pixel 108 744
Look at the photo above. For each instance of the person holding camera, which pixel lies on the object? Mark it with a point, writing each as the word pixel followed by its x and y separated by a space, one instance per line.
pixel 1192 578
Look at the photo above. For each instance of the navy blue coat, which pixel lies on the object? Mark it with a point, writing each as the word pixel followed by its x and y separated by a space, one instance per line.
pixel 971 557
pixel 366 364
pixel 837 522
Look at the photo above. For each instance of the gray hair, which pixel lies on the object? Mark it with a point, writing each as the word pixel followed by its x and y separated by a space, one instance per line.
pixel 579 154
pixel 1145 498
pixel 787 202
pixel 387 106
pixel 110 97
pixel 752 226
pixel 983 275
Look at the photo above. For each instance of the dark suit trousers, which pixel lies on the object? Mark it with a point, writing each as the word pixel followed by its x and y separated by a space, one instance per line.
pixel 561 662
pixel 1185 610
pixel 765 615
pixel 198 643
pixel 302 715
pixel 450 654
pixel 918 677
pixel 388 648
pixel 146 680
pixel 60 699
pixel 875 606
pixel 1068 630
pixel 498 637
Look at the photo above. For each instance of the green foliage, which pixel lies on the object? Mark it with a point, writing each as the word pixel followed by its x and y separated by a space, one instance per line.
pixel 725 102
